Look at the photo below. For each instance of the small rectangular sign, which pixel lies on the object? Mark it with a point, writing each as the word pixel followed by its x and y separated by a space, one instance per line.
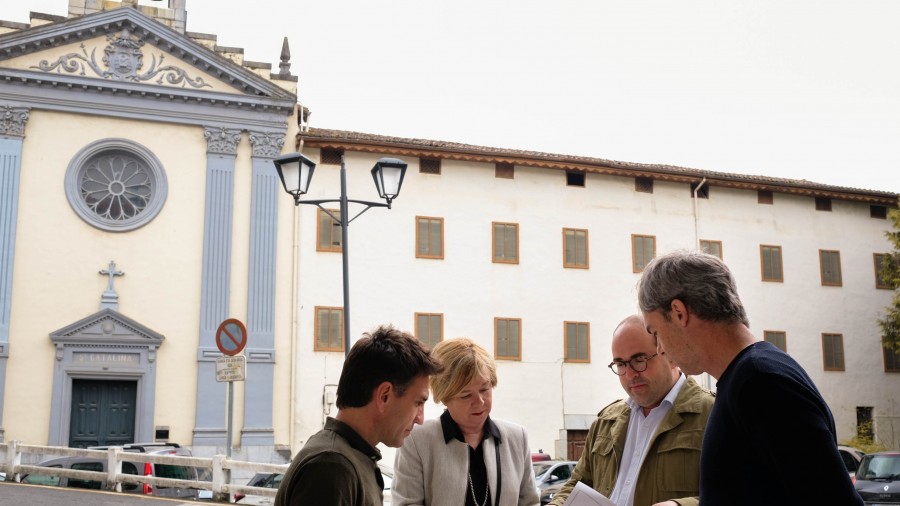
pixel 231 368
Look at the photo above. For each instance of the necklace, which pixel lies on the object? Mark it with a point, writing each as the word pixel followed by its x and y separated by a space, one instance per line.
pixel 487 491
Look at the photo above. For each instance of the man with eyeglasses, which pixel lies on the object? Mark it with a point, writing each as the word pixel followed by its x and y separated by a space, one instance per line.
pixel 645 450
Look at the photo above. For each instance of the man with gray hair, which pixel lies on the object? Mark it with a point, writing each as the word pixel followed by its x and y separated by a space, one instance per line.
pixel 771 437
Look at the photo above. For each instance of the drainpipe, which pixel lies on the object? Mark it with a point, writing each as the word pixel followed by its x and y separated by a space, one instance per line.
pixel 295 297
pixel 697 214
pixel 697 244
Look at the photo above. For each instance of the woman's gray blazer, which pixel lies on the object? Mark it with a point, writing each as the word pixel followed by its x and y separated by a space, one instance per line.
pixel 430 472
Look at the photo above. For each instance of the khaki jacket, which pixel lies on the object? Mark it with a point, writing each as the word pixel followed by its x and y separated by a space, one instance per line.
pixel 671 470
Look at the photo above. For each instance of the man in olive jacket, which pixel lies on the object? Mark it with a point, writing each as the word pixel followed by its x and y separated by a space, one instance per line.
pixel 645 450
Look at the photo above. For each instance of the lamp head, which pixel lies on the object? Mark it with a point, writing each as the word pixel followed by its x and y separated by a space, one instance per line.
pixel 388 174
pixel 295 172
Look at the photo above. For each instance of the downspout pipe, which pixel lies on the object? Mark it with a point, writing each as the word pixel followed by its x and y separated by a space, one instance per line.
pixel 697 214
pixel 697 244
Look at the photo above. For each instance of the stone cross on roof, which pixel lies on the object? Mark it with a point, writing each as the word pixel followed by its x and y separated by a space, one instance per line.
pixel 110 298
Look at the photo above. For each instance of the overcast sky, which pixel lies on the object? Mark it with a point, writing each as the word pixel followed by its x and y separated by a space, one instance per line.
pixel 796 89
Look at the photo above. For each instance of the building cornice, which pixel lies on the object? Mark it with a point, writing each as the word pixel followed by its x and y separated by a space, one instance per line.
pixel 423 148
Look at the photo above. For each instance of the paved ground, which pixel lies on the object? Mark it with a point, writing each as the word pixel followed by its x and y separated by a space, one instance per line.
pixel 17 494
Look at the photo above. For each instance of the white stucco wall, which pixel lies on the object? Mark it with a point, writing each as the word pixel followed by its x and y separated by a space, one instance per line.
pixel 389 284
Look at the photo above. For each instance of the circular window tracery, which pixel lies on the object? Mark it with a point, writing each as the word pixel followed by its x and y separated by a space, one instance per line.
pixel 116 185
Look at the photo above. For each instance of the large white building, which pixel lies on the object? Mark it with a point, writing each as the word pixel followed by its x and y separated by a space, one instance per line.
pixel 134 147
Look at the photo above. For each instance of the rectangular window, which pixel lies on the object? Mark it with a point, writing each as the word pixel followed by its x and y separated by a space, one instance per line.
pixel 430 166
pixel 331 156
pixel 879 212
pixel 508 338
pixel 833 351
pixel 643 185
pixel 574 178
pixel 765 197
pixel 329 329
pixel 429 237
pixel 881 280
pixel 504 170
pixel 823 204
pixel 712 247
pixel 643 249
pixel 575 248
pixel 430 328
pixel 505 243
pixel 770 259
pixel 578 342
pixel 830 267
pixel 702 193
pixel 329 231
pixel 776 337
pixel 891 360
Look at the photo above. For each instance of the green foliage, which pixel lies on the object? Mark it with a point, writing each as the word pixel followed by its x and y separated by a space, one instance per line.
pixel 890 268
pixel 863 441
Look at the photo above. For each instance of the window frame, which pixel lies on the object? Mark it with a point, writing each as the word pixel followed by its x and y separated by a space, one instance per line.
pixel 587 249
pixel 419 254
pixel 331 156
pixel 504 170
pixel 643 184
pixel 835 367
pixel 704 242
pixel 778 333
pixel 320 217
pixel 316 311
pixel 428 341
pixel 431 166
pixel 578 326
pixel 880 283
pixel 576 179
pixel 634 263
pixel 504 225
pixel 497 356
pixel 894 365
pixel 839 276
pixel 762 263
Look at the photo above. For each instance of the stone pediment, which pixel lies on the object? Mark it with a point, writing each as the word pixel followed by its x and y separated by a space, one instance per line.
pixel 109 327
pixel 123 52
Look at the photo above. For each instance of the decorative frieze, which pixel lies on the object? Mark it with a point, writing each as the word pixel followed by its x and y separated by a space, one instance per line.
pixel 123 59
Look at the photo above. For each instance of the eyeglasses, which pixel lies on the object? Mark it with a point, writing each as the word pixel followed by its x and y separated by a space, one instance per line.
pixel 638 364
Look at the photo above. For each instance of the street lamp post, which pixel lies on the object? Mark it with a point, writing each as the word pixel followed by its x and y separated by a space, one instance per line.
pixel 296 171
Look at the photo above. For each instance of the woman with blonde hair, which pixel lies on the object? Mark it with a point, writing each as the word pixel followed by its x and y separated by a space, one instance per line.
pixel 464 457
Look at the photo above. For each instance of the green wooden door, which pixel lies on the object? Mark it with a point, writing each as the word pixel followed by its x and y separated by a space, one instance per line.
pixel 102 413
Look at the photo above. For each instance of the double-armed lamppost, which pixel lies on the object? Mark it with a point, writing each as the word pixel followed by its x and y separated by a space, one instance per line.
pixel 296 171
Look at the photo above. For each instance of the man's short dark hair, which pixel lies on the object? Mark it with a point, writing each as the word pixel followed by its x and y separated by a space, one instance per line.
pixel 387 354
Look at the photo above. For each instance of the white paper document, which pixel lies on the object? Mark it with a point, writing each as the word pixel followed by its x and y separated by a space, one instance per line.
pixel 583 495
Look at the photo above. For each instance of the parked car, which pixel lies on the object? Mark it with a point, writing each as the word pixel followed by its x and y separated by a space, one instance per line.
pixel 135 468
pixel 552 472
pixel 878 478
pixel 273 480
pixel 539 456
pixel 548 493
pixel 851 457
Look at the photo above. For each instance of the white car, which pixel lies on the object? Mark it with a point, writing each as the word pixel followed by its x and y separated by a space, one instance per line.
pixel 851 457
pixel 270 480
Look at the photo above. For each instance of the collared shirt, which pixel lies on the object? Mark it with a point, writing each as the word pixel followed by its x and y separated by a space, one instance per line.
pixel 477 490
pixel 333 467
pixel 641 430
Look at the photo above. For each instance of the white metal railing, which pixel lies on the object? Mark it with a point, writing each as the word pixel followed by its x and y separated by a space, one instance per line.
pixel 220 465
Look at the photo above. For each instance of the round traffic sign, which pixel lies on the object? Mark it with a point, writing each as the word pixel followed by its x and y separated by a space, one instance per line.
pixel 231 336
